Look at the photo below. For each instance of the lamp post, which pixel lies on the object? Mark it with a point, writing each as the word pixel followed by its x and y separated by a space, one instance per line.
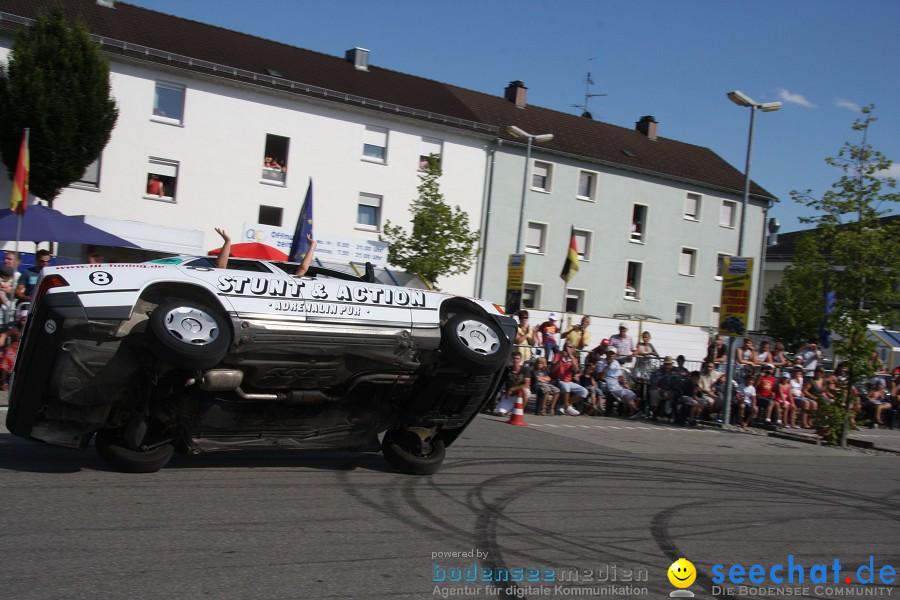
pixel 521 133
pixel 742 99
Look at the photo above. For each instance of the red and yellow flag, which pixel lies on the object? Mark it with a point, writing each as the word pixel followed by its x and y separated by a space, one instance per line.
pixel 19 200
pixel 571 264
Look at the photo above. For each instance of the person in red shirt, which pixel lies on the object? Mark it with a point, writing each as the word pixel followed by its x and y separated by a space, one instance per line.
pixel 546 333
pixel 765 396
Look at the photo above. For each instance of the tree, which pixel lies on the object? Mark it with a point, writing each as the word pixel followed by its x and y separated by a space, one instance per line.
pixel 860 252
pixel 441 243
pixel 794 306
pixel 57 84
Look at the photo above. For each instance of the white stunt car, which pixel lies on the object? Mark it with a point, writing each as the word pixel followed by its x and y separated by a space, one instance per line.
pixel 176 355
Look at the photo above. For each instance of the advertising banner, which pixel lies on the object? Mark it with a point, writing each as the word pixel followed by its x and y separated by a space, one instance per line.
pixel 734 308
pixel 515 279
pixel 329 247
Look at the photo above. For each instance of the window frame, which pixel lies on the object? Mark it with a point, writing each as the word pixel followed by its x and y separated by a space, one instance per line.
pixel 271 176
pixel 163 162
pixel 424 144
pixel 715 312
pixel 378 211
pixel 694 260
pixel 689 313
pixel 538 289
pixel 637 282
pixel 698 206
pixel 719 261
pixel 592 196
pixel 642 234
pixel 548 187
pixel 588 243
pixel 734 211
pixel 162 118
pixel 367 133
pixel 580 295
pixel 279 210
pixel 546 234
pixel 87 184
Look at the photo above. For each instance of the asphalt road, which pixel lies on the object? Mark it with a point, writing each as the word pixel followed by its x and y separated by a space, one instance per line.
pixel 563 493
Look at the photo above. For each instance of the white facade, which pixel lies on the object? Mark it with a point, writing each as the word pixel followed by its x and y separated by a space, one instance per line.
pixel 684 230
pixel 218 149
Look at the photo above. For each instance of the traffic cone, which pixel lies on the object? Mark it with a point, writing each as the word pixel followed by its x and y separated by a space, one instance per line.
pixel 517 417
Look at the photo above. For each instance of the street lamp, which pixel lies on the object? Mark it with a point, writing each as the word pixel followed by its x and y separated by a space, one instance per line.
pixel 742 99
pixel 521 133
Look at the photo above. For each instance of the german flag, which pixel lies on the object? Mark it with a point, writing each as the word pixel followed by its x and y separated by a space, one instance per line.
pixel 571 264
pixel 19 200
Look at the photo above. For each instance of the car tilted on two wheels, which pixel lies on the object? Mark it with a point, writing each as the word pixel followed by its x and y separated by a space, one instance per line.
pixel 177 356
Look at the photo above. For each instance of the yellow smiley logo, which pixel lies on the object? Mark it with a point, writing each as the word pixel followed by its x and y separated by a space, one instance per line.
pixel 682 573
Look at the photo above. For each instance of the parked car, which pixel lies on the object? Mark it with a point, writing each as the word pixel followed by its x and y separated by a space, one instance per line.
pixel 175 355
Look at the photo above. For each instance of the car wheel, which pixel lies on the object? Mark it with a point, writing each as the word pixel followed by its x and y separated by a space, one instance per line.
pixel 188 335
pixel 408 453
pixel 474 343
pixel 124 459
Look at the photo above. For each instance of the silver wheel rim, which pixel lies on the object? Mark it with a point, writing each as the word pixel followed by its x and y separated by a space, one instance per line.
pixel 192 326
pixel 477 337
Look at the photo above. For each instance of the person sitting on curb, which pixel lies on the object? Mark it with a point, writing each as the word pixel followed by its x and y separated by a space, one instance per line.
pixel 610 372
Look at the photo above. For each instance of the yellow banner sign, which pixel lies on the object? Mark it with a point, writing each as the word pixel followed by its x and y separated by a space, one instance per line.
pixel 734 308
pixel 515 279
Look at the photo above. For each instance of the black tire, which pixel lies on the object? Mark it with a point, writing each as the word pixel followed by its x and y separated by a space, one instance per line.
pixel 188 335
pixel 406 452
pixel 474 343
pixel 126 460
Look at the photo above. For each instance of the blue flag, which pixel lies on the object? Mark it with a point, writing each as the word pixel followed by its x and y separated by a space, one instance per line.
pixel 824 332
pixel 300 246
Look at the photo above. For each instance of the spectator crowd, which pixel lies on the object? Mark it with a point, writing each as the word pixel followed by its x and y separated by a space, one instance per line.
pixel 560 371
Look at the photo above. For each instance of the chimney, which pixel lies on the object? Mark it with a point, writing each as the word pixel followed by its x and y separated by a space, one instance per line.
pixel 359 57
pixel 647 126
pixel 516 92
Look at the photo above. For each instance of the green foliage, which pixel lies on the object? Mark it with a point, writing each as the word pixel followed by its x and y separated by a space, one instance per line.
pixel 860 251
pixel 794 306
pixel 441 243
pixel 828 420
pixel 57 84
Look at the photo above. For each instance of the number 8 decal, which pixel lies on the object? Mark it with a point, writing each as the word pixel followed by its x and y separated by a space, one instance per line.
pixel 101 278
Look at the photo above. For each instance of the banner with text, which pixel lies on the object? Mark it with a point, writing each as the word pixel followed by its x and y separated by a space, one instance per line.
pixel 515 280
pixel 734 308
pixel 329 247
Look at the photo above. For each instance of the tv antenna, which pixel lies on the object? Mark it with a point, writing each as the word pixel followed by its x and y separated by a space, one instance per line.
pixel 588 82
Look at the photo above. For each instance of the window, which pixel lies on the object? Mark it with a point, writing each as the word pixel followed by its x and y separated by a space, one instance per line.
pixel 429 146
pixel 727 213
pixel 162 179
pixel 270 215
pixel 368 214
pixel 275 157
pixel 168 103
pixel 714 317
pixel 574 300
pixel 531 295
pixel 541 176
pixel 375 144
pixel 587 185
pixel 633 281
pixel 536 238
pixel 692 206
pixel 90 180
pixel 583 244
pixel 638 223
pixel 682 314
pixel 720 264
pixel 687 261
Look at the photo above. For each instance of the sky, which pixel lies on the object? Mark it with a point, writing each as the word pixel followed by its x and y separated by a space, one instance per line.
pixel 673 59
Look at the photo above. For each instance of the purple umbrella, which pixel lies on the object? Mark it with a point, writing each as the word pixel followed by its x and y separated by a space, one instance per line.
pixel 44 224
